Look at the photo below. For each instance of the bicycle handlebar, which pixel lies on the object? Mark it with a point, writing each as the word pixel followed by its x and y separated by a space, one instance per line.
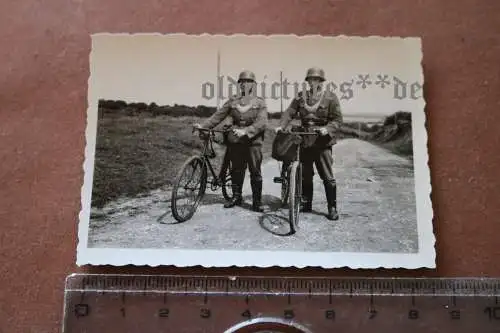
pixel 316 132
pixel 209 130
pixel 304 133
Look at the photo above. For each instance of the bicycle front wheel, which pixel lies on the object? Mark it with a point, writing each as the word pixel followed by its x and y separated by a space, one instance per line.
pixel 189 188
pixel 285 185
pixel 294 195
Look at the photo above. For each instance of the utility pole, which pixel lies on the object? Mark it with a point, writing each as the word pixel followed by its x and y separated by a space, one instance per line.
pixel 281 91
pixel 218 79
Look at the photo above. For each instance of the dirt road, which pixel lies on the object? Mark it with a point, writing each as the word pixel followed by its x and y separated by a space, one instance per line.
pixel 375 200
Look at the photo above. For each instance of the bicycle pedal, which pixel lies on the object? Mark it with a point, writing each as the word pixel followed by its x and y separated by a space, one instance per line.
pixel 277 180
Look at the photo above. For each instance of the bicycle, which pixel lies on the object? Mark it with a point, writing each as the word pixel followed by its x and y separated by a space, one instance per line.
pixel 201 164
pixel 291 180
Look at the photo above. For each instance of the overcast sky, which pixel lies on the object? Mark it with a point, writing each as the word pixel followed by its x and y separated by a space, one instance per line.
pixel 174 69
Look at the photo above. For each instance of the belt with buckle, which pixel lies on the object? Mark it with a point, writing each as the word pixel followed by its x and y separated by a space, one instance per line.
pixel 314 123
pixel 243 123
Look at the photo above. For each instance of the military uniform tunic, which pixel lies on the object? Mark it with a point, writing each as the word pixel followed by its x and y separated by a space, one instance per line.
pixel 322 110
pixel 249 114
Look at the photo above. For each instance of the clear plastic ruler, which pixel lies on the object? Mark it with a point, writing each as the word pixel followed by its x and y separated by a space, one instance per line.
pixel 223 304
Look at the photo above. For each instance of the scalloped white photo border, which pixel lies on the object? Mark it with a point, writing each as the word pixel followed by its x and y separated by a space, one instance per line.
pixel 424 258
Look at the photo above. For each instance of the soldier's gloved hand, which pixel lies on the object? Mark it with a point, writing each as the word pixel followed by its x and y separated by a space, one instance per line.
pixel 201 134
pixel 239 132
pixel 323 131
pixel 277 129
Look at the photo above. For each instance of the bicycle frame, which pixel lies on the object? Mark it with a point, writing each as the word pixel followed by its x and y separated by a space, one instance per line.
pixel 299 146
pixel 215 182
pixel 293 183
pixel 207 152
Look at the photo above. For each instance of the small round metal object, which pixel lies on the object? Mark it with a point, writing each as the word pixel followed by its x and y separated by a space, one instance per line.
pixel 268 325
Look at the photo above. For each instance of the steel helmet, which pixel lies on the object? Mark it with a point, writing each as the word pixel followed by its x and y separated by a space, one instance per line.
pixel 246 75
pixel 315 72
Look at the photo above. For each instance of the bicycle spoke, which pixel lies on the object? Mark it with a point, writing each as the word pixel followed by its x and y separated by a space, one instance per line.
pixel 188 190
pixel 227 187
pixel 295 193
pixel 191 181
pixel 298 194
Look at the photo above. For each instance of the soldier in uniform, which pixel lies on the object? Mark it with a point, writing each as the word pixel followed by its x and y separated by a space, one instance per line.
pixel 249 119
pixel 316 108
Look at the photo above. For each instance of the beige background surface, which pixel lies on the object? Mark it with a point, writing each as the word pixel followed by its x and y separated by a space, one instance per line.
pixel 43 78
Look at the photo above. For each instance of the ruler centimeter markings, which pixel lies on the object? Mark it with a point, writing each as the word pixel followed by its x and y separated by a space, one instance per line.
pixel 130 303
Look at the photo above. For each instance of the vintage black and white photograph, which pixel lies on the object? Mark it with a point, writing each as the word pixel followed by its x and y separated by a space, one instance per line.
pixel 253 150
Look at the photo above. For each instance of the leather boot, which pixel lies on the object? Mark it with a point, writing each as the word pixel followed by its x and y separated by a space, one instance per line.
pixel 307 196
pixel 331 198
pixel 237 197
pixel 257 196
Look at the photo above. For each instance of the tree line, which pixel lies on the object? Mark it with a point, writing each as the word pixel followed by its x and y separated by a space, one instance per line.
pixel 178 110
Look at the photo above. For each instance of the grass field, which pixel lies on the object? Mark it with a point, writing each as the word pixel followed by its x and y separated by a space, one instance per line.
pixel 135 154
pixel 139 153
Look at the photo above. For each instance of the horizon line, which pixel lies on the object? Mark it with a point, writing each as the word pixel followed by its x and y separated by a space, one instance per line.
pixel 356 115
